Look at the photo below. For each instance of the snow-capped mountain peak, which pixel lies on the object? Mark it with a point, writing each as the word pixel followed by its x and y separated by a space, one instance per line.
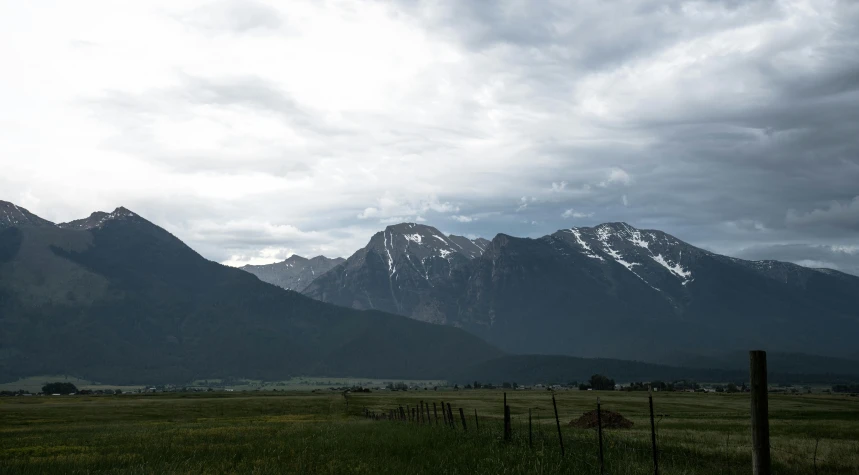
pixel 421 241
pixel 12 215
pixel 99 218
pixel 645 253
pixel 397 266
pixel 294 273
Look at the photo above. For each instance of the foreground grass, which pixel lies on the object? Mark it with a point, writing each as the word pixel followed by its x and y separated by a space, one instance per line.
pixel 320 433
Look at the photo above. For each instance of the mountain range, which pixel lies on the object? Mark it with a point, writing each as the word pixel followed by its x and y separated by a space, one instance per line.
pixel 113 297
pixel 116 298
pixel 398 272
pixel 606 291
pixel 295 273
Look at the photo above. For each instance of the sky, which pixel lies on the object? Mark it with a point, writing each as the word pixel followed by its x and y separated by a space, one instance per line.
pixel 253 130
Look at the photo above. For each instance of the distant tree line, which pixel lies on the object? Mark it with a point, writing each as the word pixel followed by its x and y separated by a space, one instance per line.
pixel 845 388
pixel 59 388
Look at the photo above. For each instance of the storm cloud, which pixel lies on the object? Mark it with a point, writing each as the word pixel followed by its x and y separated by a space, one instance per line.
pixel 253 130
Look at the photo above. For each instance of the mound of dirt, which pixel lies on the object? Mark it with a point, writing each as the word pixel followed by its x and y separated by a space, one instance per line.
pixel 610 420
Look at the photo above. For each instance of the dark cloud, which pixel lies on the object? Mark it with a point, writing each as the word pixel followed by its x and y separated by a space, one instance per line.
pixel 836 215
pixel 733 122
pixel 843 258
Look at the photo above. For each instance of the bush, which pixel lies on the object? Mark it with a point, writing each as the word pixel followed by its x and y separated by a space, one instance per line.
pixel 601 383
pixel 59 388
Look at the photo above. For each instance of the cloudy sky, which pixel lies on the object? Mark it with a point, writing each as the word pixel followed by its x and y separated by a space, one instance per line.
pixel 254 129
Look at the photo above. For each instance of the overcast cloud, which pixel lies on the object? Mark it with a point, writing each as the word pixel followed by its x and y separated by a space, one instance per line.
pixel 257 129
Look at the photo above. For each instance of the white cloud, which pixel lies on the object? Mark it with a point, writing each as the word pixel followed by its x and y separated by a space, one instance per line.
pixel 846 249
pixel 835 214
pixel 463 219
pixel 816 264
pixel 333 116
pixel 571 213
pixel 390 207
pixel 368 213
pixel 524 201
pixel 616 176
pixel 266 255
pixel 395 219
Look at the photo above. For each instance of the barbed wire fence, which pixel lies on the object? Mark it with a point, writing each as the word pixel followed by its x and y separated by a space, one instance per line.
pixel 600 449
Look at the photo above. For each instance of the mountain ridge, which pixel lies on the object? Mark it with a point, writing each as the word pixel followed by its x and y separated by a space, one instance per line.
pixel 123 300
pixel 396 270
pixel 295 272
pixel 13 215
pixel 616 288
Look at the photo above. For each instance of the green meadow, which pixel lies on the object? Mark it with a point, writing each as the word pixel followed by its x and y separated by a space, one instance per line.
pixel 326 432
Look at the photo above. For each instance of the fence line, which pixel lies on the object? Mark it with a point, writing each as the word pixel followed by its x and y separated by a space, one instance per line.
pixel 604 446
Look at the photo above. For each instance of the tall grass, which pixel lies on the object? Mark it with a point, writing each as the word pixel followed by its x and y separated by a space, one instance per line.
pixel 311 433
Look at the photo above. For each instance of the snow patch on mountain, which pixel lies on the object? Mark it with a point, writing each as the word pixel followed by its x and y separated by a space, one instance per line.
pixel 391 269
pixel 587 249
pixel 637 241
pixel 676 269
pixel 603 234
pixel 415 238
pixel 619 258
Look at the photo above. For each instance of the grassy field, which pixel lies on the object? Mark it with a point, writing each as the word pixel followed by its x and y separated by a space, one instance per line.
pixel 311 383
pixel 34 383
pixel 301 432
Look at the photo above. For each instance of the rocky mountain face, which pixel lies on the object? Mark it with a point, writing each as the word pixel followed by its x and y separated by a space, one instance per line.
pixel 100 218
pixel 295 273
pixel 118 299
pixel 470 248
pixel 12 215
pixel 399 271
pixel 610 290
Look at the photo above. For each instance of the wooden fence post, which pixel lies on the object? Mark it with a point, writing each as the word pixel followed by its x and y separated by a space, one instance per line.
pixel 506 419
pixel 558 422
pixel 816 444
pixel 450 417
pixel 462 417
pixel 508 428
pixel 599 432
pixel 761 462
pixel 435 412
pixel 429 419
pixel 530 433
pixel 653 435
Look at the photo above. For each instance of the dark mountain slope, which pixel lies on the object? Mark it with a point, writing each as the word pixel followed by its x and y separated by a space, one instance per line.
pixel 613 290
pixel 153 310
pixel 397 272
pixel 533 296
pixel 295 273
pixel 12 215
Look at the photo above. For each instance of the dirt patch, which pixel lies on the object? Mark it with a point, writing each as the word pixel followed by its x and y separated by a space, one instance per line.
pixel 610 420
